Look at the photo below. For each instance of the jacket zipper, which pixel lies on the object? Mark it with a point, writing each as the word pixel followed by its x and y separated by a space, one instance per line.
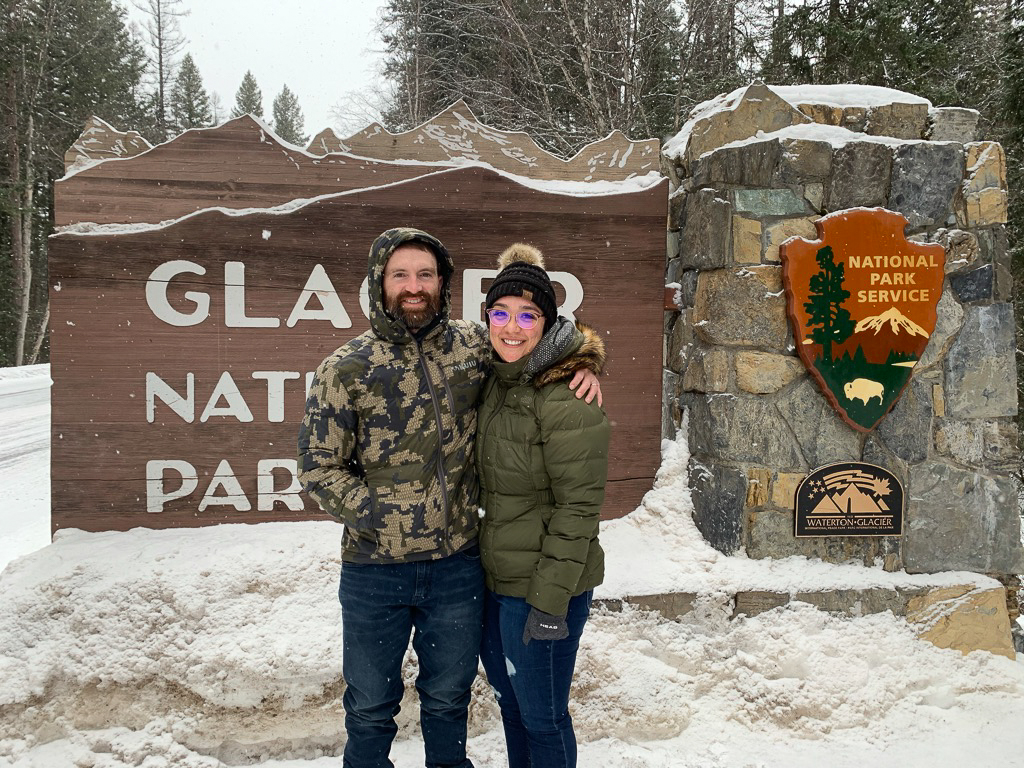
pixel 440 438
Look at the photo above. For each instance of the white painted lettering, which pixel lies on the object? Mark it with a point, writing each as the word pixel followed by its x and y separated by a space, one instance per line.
pixel 331 308
pixel 185 407
pixel 267 496
pixel 275 391
pixel 224 477
pixel 234 300
pixel 156 493
pixel 156 294
pixel 236 405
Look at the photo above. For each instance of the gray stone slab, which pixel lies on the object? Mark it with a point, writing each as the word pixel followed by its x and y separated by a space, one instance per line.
pixel 975 285
pixel 862 602
pixel 901 121
pixel 860 176
pixel 949 320
pixel 953 124
pixel 804 161
pixel 671 605
pixel 706 240
pixel 743 306
pixel 754 602
pixel 749 165
pixel 980 367
pixel 741 429
pixel 960 519
pixel 821 436
pixel 763 203
pixel 907 428
pixel 718 493
pixel 924 179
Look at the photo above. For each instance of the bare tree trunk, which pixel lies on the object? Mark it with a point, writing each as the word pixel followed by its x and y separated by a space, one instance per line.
pixel 23 251
pixel 43 325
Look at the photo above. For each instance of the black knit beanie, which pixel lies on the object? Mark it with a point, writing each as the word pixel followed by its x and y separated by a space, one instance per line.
pixel 522 274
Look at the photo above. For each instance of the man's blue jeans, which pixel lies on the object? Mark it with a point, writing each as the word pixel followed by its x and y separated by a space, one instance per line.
pixel 440 603
pixel 531 682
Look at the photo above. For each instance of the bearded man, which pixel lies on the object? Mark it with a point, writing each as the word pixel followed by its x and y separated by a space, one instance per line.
pixel 386 447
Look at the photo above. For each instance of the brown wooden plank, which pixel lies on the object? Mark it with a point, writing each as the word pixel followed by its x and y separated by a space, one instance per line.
pixel 236 165
pixel 105 338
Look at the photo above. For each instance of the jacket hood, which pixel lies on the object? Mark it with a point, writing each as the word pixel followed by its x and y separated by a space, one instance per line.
pixel 585 351
pixel 385 326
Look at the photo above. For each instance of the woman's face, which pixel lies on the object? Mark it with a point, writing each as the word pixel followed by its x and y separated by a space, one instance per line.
pixel 510 341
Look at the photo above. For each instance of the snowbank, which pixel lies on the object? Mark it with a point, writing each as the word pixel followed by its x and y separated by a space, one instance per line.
pixel 220 646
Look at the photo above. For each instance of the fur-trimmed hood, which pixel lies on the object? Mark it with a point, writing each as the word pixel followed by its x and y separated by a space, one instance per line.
pixel 587 353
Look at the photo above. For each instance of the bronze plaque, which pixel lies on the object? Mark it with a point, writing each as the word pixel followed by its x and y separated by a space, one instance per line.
pixel 849 498
pixel 862 302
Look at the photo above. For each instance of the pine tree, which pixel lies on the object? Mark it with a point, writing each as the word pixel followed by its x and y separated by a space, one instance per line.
pixel 248 98
pixel 825 308
pixel 59 64
pixel 163 34
pixel 288 120
pixel 190 105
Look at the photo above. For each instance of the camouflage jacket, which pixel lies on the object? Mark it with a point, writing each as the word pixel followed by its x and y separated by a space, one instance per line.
pixel 386 445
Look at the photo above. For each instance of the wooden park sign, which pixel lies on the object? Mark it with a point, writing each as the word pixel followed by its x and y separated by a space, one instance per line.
pixel 862 302
pixel 197 284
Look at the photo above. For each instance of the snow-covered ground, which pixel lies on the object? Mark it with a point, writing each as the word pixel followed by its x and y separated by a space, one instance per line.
pixel 219 646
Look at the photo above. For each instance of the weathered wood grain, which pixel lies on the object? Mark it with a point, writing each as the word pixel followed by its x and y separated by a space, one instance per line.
pixel 237 165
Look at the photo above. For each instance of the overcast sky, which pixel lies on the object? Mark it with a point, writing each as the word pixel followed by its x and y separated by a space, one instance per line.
pixel 322 49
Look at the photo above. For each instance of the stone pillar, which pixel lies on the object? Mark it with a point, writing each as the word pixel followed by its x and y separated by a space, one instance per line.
pixel 754 169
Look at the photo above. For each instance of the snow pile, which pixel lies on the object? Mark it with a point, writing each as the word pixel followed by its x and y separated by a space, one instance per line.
pixel 218 646
pixel 662 535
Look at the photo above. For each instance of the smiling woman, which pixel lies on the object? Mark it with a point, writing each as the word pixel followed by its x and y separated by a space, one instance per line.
pixel 542 455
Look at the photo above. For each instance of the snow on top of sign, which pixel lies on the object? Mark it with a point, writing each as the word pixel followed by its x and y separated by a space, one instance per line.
pixel 557 187
pixel 831 134
pixel 846 95
pixel 843 95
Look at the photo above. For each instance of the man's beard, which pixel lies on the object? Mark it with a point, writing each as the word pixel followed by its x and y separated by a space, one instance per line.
pixel 418 318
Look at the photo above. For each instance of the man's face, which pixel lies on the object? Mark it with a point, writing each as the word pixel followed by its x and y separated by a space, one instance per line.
pixel 412 285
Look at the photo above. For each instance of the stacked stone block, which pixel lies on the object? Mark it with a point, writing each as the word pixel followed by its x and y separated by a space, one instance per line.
pixel 755 420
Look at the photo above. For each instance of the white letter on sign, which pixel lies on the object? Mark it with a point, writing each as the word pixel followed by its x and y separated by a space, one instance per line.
pixel 331 308
pixel 183 406
pixel 234 300
pixel 236 405
pixel 225 478
pixel 156 495
pixel 265 485
pixel 275 391
pixel 156 294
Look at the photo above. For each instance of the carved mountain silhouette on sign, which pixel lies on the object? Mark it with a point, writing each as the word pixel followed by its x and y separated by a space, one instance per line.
pixel 457 135
pixel 881 334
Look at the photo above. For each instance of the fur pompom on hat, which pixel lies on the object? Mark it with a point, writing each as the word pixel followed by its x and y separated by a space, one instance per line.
pixel 522 274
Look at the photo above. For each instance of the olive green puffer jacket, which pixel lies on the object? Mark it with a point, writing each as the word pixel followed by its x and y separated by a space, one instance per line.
pixel 542 455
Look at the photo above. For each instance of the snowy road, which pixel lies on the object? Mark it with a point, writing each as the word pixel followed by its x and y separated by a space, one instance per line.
pixel 24 460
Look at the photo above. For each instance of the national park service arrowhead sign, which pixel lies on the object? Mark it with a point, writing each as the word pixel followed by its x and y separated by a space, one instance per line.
pixel 862 301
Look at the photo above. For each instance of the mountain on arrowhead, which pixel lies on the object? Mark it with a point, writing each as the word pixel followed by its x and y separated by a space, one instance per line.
pixel 898 324
pixel 879 335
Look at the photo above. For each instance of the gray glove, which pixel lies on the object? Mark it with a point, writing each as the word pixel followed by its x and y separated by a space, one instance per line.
pixel 544 626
